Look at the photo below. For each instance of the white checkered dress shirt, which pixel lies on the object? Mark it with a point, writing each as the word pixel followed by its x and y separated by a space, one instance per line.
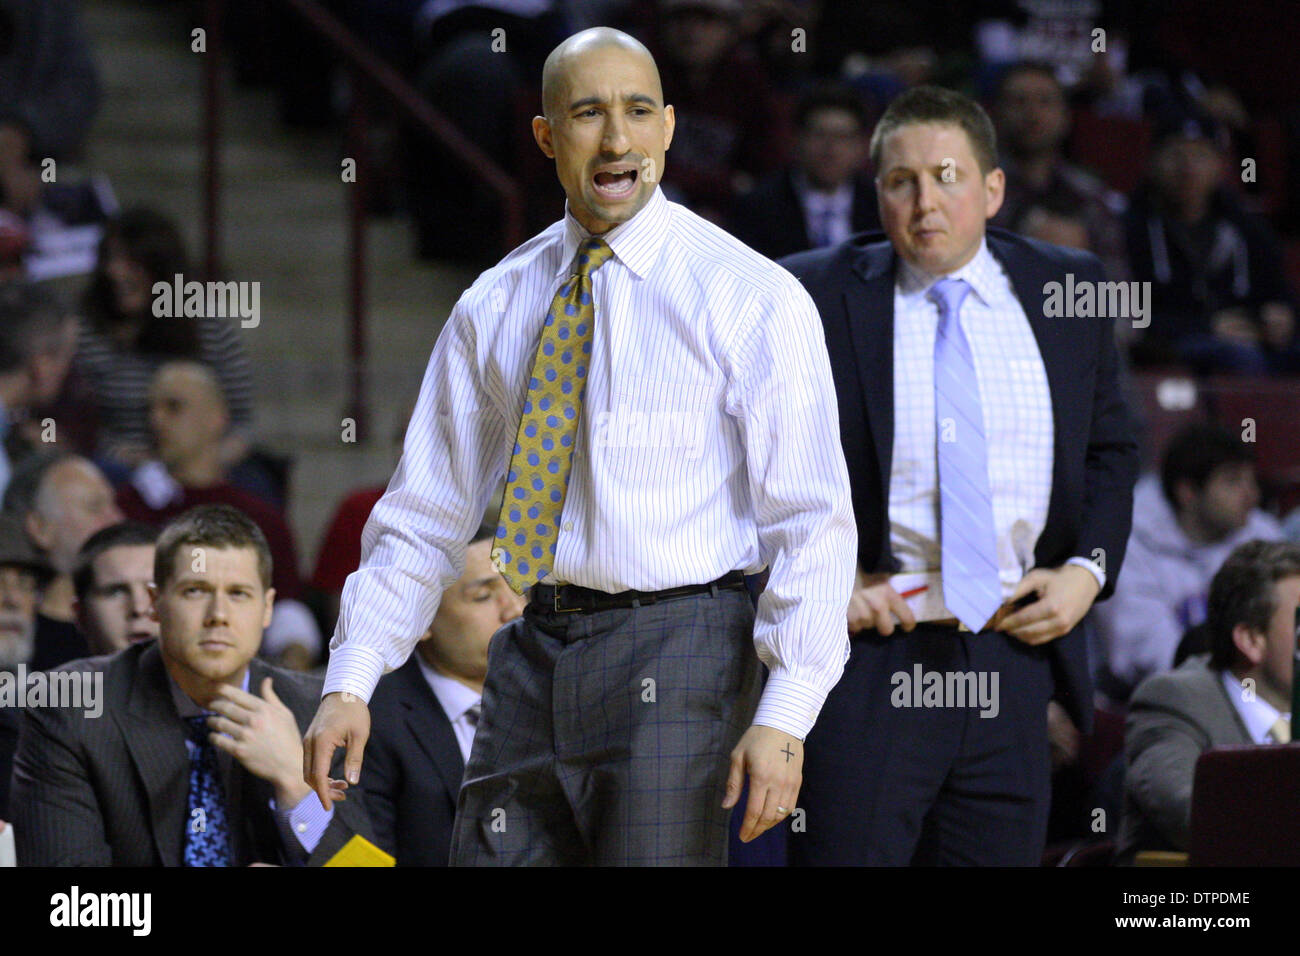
pixel 1018 423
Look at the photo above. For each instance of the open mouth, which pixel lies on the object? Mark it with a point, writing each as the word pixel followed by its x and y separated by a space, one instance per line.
pixel 615 184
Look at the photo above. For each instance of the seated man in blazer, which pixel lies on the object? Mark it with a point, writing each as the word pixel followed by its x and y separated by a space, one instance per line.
pixel 824 195
pixel 991 459
pixel 423 715
pixel 196 758
pixel 1239 695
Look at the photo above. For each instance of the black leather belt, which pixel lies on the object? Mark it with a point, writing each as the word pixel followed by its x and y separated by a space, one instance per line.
pixel 570 597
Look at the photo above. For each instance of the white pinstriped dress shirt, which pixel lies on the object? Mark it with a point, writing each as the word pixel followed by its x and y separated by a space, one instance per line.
pixel 1018 424
pixel 708 441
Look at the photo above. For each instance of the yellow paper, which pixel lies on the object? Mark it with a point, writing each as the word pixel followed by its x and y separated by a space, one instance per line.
pixel 360 852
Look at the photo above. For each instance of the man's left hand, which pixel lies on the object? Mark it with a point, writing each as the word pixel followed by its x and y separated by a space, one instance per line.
pixel 1064 596
pixel 264 737
pixel 774 761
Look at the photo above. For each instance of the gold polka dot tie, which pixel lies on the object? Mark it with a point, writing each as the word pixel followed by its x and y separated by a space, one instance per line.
pixel 528 525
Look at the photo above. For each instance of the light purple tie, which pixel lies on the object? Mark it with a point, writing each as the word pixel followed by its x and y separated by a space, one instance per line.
pixel 971 587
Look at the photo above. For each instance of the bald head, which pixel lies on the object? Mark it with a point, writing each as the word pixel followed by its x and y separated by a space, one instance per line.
pixel 606 125
pixel 197 381
pixel 557 70
pixel 187 412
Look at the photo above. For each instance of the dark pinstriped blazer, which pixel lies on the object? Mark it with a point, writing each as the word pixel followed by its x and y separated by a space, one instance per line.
pixel 113 790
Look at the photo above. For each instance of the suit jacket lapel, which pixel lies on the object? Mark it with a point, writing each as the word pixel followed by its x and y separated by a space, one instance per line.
pixel 431 727
pixel 254 836
pixel 869 311
pixel 153 734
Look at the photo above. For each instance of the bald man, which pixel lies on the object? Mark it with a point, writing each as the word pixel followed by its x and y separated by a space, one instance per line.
pixel 657 397
pixel 189 420
pixel 61 500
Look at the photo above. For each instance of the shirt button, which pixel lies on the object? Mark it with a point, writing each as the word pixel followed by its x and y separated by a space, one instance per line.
pixel 568 526
pixel 302 828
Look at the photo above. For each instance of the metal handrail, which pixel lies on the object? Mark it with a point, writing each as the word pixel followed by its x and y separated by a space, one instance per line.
pixel 368 73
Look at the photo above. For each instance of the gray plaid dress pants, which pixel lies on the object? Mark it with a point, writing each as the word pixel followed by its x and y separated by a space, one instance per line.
pixel 605 737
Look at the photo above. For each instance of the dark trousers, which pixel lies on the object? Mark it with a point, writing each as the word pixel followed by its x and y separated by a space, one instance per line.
pixel 605 738
pixel 891 783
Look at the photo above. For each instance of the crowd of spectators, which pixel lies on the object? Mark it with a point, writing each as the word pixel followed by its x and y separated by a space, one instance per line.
pixel 775 103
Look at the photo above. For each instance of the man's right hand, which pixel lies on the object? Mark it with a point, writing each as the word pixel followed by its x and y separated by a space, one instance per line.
pixel 875 603
pixel 342 720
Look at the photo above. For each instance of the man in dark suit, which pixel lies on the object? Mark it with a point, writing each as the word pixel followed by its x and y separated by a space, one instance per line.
pixel 424 714
pixel 23 573
pixel 992 464
pixel 824 196
pixel 180 766
pixel 1239 695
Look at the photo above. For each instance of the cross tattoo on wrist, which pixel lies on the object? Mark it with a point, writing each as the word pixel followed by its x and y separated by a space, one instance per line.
pixel 788 753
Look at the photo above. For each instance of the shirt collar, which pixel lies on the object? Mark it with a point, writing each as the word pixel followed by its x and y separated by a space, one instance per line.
pixel 454 696
pixel 186 707
pixel 981 274
pixel 1257 714
pixel 635 243
pixel 838 200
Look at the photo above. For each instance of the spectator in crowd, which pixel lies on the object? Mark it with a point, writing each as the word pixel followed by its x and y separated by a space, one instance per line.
pixel 824 196
pixel 723 101
pixel 1060 223
pixel 1033 121
pixel 23 573
pixel 35 354
pixel 112 576
pixel 995 527
pixel 49 93
pixel 423 715
pixel 123 341
pixel 340 548
pixel 61 499
pixel 1220 300
pixel 1240 694
pixel 1186 520
pixel 187 412
pixel 472 74
pixel 198 761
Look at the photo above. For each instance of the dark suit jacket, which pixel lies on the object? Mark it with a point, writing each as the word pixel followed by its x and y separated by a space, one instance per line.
pixel 1173 718
pixel 1095 460
pixel 770 218
pixel 412 770
pixel 113 790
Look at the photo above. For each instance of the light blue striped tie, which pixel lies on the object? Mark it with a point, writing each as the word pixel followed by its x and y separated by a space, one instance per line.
pixel 971 587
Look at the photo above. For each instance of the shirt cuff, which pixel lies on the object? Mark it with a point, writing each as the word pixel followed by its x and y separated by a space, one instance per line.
pixel 354 670
pixel 1092 566
pixel 305 824
pixel 789 705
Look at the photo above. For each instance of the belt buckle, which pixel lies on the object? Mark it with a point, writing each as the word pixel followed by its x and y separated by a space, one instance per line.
pixel 555 602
